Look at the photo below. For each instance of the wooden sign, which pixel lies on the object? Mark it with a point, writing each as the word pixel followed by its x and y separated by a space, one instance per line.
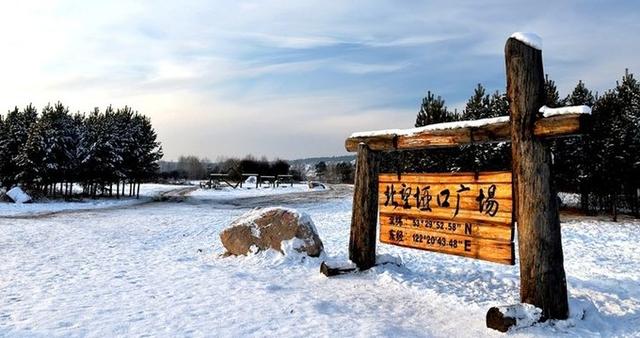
pixel 461 214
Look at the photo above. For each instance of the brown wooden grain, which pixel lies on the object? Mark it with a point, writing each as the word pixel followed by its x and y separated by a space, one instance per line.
pixel 547 127
pixel 467 205
pixel 362 242
pixel 478 229
pixel 491 236
pixel 542 276
pixel 484 249
pixel 484 177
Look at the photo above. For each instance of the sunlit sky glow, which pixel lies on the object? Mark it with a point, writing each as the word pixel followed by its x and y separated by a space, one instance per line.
pixel 291 78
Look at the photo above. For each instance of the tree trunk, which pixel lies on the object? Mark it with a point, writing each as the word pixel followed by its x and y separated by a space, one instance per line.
pixel 584 198
pixel 636 204
pixel 138 191
pixel 118 189
pixel 364 220
pixel 614 206
pixel 542 277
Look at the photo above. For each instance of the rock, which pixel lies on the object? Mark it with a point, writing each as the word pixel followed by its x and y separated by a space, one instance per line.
pixel 18 195
pixel 276 228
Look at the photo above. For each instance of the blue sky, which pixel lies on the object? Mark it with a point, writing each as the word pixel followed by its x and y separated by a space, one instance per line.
pixel 293 78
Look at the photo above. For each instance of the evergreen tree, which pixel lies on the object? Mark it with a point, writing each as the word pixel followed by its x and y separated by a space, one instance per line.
pixel 477 157
pixel 433 111
pixel 628 91
pixel 552 97
pixel 498 104
pixel 15 131
pixel 573 170
pixel 478 105
pixel 149 150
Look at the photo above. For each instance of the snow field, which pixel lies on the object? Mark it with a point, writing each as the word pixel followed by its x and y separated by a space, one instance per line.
pixel 155 270
pixel 147 192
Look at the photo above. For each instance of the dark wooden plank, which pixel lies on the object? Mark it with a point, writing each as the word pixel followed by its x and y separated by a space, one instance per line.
pixel 362 242
pixel 542 276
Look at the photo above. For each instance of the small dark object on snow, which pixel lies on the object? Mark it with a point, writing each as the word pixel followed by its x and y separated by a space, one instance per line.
pixel 498 321
pixel 329 271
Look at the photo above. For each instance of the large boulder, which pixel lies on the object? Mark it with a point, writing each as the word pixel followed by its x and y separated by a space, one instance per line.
pixel 268 228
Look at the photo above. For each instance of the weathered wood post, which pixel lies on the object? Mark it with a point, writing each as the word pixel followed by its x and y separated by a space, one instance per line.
pixel 364 219
pixel 542 277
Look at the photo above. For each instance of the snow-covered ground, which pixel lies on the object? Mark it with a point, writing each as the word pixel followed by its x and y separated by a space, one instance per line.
pixel 147 192
pixel 155 270
pixel 250 191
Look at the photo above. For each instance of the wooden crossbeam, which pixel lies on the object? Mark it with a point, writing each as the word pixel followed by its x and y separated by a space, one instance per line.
pixel 546 127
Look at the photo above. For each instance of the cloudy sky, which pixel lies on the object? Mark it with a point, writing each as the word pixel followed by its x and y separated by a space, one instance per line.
pixel 292 78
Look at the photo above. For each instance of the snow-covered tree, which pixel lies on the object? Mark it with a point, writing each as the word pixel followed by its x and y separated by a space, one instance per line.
pixel 15 132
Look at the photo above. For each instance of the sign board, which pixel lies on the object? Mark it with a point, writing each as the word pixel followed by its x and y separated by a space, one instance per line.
pixel 461 214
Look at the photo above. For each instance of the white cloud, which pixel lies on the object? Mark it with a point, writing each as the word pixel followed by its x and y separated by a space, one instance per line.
pixel 176 60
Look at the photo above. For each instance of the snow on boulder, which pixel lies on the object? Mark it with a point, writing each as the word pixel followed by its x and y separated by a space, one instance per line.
pixel 18 195
pixel 529 39
pixel 282 229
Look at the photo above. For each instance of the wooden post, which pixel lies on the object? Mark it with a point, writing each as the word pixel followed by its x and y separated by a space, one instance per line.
pixel 542 277
pixel 364 219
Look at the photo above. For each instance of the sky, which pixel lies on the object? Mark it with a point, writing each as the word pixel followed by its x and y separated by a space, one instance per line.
pixel 293 79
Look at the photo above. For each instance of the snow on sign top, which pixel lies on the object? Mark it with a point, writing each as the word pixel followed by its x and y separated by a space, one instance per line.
pixel 529 39
pixel 546 111
pixel 437 126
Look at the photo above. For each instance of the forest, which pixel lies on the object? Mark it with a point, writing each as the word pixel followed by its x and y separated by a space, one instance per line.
pixel 602 165
pixel 46 153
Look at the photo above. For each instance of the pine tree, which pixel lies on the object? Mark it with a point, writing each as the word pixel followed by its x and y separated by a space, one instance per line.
pixel 432 110
pixel 611 151
pixel 477 157
pixel 16 129
pixel 628 91
pixel 498 104
pixel 552 97
pixel 573 170
pixel 478 105
pixel 149 151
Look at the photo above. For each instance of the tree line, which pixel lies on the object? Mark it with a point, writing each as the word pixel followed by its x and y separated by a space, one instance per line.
pixel 602 165
pixel 340 172
pixel 193 167
pixel 47 152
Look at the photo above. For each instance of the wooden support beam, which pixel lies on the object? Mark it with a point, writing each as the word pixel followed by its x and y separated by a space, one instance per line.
pixel 492 131
pixel 542 276
pixel 364 219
